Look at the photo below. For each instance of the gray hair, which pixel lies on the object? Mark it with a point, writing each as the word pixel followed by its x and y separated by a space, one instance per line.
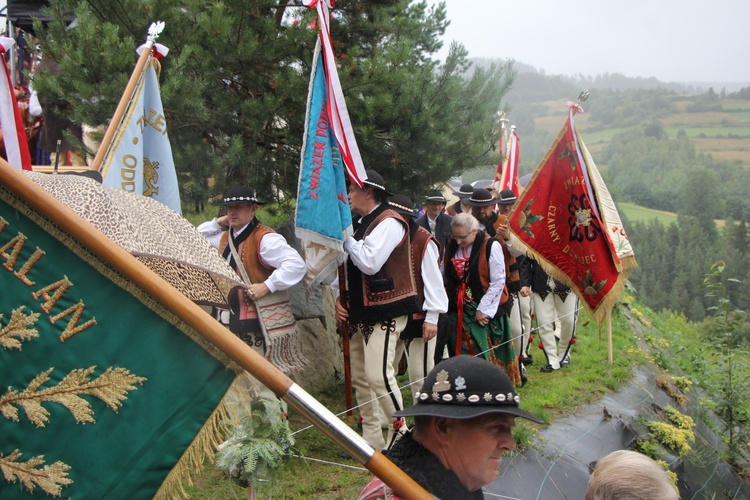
pixel 629 475
pixel 465 220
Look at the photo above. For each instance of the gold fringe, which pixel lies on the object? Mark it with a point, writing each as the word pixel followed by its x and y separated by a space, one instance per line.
pixel 190 463
pixel 609 301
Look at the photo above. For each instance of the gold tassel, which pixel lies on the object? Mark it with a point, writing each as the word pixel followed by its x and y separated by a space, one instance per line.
pixel 190 463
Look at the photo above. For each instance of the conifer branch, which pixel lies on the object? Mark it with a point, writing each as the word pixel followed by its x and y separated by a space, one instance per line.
pixel 50 478
pixel 16 331
pixel 111 387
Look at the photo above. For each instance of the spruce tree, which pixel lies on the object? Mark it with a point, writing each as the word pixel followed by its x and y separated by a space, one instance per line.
pixel 234 86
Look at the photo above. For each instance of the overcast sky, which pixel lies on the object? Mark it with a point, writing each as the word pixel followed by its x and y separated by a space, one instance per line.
pixel 672 40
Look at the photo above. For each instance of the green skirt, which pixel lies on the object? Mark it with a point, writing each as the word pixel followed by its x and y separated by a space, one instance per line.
pixel 492 341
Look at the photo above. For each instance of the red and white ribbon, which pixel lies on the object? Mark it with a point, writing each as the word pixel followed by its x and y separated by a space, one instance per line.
pixel 14 133
pixel 510 173
pixel 337 111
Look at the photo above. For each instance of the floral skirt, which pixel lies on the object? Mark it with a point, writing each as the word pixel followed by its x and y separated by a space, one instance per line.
pixel 492 342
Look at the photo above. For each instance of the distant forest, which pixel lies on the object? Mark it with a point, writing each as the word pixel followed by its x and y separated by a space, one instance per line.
pixel 643 165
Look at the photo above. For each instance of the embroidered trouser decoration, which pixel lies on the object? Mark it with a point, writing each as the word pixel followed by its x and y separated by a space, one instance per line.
pixel 374 376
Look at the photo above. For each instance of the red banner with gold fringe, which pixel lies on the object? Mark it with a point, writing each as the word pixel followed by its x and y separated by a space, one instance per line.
pixel 567 221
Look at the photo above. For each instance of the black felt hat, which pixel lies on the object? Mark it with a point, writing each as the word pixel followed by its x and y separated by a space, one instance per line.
pixel 402 204
pixel 435 196
pixel 464 191
pixel 465 387
pixel 481 197
pixel 239 194
pixel 375 181
pixel 507 197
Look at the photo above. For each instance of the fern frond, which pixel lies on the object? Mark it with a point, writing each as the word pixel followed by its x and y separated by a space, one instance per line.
pixel 258 446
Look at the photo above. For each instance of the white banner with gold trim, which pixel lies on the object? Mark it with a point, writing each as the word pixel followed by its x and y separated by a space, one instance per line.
pixel 141 160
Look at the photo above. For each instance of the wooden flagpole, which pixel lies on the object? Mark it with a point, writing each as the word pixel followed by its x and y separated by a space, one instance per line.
pixel 348 400
pixel 153 284
pixel 122 107
pixel 581 99
pixel 609 335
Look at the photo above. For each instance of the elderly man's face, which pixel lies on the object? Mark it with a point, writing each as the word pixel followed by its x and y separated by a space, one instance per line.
pixel 240 214
pixel 434 208
pixel 475 446
pixel 360 199
pixel 463 236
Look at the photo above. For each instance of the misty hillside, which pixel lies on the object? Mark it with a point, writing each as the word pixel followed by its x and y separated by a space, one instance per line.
pixel 535 84
pixel 661 148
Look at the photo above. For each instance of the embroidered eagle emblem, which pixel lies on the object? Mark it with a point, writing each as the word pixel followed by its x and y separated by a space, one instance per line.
pixel 150 177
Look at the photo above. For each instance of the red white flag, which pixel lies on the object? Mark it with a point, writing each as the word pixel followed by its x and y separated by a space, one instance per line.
pixel 14 134
pixel 567 221
pixel 503 160
pixel 509 179
pixel 337 111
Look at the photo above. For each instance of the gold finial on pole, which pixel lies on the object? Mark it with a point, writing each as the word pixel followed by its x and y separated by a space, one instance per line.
pixel 581 99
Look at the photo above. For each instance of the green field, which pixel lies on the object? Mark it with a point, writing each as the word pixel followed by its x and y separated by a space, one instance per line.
pixel 734 105
pixel 600 136
pixel 641 214
pixel 739 132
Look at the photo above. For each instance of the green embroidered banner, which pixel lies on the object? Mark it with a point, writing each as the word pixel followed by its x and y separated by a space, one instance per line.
pixel 104 391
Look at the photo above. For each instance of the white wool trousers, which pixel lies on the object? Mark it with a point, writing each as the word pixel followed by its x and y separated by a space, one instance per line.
pixel 420 357
pixel 547 311
pixel 374 377
pixel 520 322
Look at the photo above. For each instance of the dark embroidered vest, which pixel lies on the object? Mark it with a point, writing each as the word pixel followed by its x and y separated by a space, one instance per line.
pixel 478 276
pixel 419 237
pixel 392 291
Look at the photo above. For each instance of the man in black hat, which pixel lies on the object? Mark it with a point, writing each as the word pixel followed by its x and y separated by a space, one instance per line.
pixel 462 426
pixel 419 335
pixel 269 261
pixel 435 220
pixel 381 294
pixel 482 205
pixel 461 206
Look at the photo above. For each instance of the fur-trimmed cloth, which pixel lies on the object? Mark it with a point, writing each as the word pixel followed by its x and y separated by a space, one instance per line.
pixel 424 468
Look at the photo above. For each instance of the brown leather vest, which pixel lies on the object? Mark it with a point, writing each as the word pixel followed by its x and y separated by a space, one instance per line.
pixel 249 251
pixel 389 293
pixel 419 242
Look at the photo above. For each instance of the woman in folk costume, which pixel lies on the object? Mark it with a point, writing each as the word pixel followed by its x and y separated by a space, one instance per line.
pixel 475 279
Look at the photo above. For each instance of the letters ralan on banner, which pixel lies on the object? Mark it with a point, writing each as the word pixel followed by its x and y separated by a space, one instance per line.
pixel 51 293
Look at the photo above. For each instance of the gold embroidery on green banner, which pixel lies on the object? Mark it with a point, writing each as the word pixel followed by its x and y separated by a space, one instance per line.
pixel 58 289
pixel 111 387
pixel 73 328
pixel 16 331
pixel 50 478
pixel 21 273
pixel 14 245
